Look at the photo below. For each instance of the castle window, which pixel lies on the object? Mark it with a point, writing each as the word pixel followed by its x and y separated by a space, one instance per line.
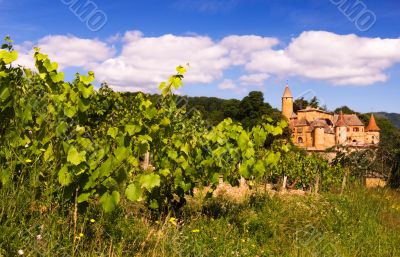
pixel 356 129
pixel 348 129
pixel 300 140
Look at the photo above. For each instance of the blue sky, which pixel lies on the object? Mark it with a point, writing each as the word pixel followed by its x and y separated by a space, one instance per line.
pixel 289 33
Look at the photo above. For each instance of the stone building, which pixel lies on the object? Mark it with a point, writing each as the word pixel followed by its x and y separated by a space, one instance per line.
pixel 317 130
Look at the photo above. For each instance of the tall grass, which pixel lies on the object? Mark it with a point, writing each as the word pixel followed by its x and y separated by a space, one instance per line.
pixel 359 223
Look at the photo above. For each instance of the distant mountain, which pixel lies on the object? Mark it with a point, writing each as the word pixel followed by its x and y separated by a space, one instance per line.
pixel 393 117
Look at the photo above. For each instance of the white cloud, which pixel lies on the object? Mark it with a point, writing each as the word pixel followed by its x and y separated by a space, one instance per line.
pixel 67 51
pixel 146 61
pixel 338 59
pixel 253 79
pixel 143 62
pixel 227 84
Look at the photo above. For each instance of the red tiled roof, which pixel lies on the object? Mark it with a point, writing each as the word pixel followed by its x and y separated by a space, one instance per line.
pixel 350 120
pixel 341 121
pixel 372 126
pixel 301 123
pixel 287 92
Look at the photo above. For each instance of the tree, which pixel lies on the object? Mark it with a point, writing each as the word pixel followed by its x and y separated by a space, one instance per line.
pixel 344 109
pixel 314 103
pixel 300 104
pixel 252 108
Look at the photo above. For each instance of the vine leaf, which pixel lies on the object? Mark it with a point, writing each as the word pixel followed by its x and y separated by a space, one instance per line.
pixel 76 157
pixel 150 181
pixel 109 202
pixel 134 192
pixel 8 57
pixel 64 177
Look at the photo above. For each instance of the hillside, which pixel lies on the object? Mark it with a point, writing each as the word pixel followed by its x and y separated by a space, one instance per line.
pixel 393 117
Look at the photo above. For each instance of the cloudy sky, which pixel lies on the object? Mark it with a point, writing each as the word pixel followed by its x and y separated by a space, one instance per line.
pixel 324 48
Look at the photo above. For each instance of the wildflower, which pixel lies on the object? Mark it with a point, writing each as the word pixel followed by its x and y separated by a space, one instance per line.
pixel 92 220
pixel 39 237
pixel 196 230
pixel 173 220
pixel 81 235
pixel 243 240
pixel 28 160
pixel 20 252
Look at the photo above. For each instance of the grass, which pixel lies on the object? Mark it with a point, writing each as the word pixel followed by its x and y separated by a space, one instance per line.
pixel 359 223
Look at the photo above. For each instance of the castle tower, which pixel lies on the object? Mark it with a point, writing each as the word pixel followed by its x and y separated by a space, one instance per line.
pixel 372 132
pixel 341 130
pixel 319 136
pixel 287 103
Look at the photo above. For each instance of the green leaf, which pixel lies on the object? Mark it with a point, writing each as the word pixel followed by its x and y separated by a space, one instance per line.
pixel 112 132
pixel 61 128
pixel 5 93
pixel 87 91
pixel 244 171
pixel 165 172
pixel 48 155
pixel 134 193
pixel 132 129
pixel 149 181
pixel 153 204
pixel 64 177
pixel 50 66
pixel 83 197
pixel 109 202
pixel 165 121
pixel 87 79
pixel 70 111
pixel 243 140
pixel 57 76
pixel 76 157
pixel 259 168
pixel 181 70
pixel 8 57
pixel 121 153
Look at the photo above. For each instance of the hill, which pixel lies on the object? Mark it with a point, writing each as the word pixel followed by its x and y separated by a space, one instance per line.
pixel 393 117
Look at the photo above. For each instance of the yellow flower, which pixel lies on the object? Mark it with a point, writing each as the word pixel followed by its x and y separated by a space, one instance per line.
pixel 196 230
pixel 92 220
pixel 28 160
pixel 173 220
pixel 81 235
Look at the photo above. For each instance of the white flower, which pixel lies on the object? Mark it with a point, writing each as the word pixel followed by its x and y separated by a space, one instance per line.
pixel 20 252
pixel 39 237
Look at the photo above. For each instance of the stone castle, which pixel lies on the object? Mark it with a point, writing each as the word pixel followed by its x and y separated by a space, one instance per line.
pixel 317 130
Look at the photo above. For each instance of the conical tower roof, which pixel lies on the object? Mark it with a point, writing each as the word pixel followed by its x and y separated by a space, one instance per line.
pixel 287 92
pixel 372 126
pixel 341 122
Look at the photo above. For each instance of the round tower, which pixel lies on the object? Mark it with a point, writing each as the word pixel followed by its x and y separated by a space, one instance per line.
pixel 287 103
pixel 319 137
pixel 341 130
pixel 372 132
